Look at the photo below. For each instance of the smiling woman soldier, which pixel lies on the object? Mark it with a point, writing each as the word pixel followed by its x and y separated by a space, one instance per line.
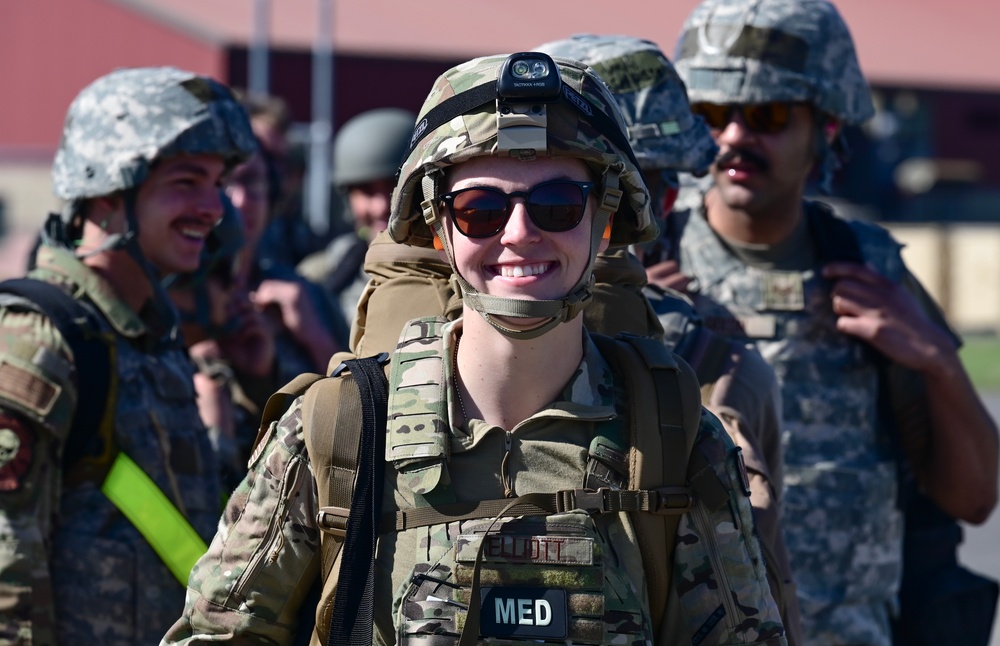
pixel 528 493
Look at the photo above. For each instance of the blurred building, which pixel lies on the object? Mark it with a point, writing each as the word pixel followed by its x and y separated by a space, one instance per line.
pixel 928 155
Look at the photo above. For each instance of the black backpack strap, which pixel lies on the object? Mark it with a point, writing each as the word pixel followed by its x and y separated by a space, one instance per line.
pixel 91 432
pixel 353 608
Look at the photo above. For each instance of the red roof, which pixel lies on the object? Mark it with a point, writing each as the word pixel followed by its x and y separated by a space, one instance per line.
pixel 924 43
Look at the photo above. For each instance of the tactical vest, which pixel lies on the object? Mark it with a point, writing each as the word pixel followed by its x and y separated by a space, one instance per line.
pixel 155 423
pixel 543 577
pixel 568 583
pixel 840 471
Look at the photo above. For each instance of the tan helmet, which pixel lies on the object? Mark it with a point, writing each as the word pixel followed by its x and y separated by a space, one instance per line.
pixel 526 106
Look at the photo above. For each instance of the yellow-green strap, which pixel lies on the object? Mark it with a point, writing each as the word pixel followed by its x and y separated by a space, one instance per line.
pixel 165 528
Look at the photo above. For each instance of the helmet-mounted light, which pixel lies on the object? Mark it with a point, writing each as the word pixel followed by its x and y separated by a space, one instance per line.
pixel 526 82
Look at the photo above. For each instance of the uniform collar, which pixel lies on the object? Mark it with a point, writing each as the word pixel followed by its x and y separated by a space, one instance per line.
pixel 588 396
pixel 55 264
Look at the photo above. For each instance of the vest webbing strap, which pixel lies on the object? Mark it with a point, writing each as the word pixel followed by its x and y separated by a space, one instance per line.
pixel 160 522
pixel 664 500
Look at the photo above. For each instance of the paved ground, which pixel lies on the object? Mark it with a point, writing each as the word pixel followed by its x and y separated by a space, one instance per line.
pixel 981 550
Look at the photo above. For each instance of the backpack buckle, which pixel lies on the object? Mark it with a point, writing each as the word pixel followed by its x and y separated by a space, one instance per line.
pixel 333 520
pixel 673 500
pixel 590 500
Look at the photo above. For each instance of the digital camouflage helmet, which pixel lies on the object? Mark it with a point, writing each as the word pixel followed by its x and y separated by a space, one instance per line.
pixel 651 96
pixel 761 51
pixel 370 146
pixel 525 106
pixel 122 122
pixel 119 125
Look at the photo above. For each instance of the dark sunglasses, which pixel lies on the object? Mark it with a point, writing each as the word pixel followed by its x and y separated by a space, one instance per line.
pixel 768 118
pixel 483 211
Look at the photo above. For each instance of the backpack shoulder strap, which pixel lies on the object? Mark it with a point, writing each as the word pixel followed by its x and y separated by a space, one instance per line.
pixel 657 459
pixel 90 442
pixel 343 422
pixel 279 402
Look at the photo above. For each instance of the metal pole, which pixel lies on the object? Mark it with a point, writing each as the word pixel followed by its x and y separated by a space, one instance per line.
pixel 258 72
pixel 321 131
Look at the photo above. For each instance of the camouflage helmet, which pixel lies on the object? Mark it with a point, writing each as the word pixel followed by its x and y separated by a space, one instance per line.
pixel 582 122
pixel 119 124
pixel 661 128
pixel 370 146
pixel 525 106
pixel 760 51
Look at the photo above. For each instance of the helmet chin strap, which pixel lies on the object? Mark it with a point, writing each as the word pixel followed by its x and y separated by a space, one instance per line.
pixel 162 306
pixel 163 309
pixel 553 311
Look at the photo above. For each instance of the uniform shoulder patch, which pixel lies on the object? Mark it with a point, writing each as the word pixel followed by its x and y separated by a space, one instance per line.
pixel 17 448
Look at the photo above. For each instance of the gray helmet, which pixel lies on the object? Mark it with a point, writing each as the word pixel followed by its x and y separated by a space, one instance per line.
pixel 370 146
pixel 526 106
pixel 760 51
pixel 119 124
pixel 663 132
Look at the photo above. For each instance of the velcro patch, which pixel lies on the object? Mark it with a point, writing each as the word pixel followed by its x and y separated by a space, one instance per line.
pixel 17 448
pixel 523 613
pixel 510 548
pixel 31 390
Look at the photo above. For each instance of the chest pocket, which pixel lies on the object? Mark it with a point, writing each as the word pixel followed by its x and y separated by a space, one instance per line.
pixel 541 579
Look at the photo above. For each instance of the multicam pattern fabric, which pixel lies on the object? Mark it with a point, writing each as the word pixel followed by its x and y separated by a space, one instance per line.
pixel 474 134
pixel 73 570
pixel 124 120
pixel 652 99
pixel 758 51
pixel 842 524
pixel 250 584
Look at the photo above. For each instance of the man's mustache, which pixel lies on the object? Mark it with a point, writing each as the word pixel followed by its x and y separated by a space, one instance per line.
pixel 746 156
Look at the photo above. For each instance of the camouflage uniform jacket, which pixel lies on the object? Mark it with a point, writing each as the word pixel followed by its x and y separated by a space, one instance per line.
pixel 73 570
pixel 264 558
pixel 842 524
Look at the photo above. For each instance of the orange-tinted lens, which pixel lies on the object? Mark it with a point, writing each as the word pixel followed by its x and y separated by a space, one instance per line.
pixel 758 117
pixel 716 115
pixel 479 212
pixel 766 117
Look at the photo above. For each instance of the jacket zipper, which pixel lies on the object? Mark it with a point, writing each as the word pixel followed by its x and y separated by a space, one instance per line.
pixel 272 538
pixel 708 535
pixel 508 486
